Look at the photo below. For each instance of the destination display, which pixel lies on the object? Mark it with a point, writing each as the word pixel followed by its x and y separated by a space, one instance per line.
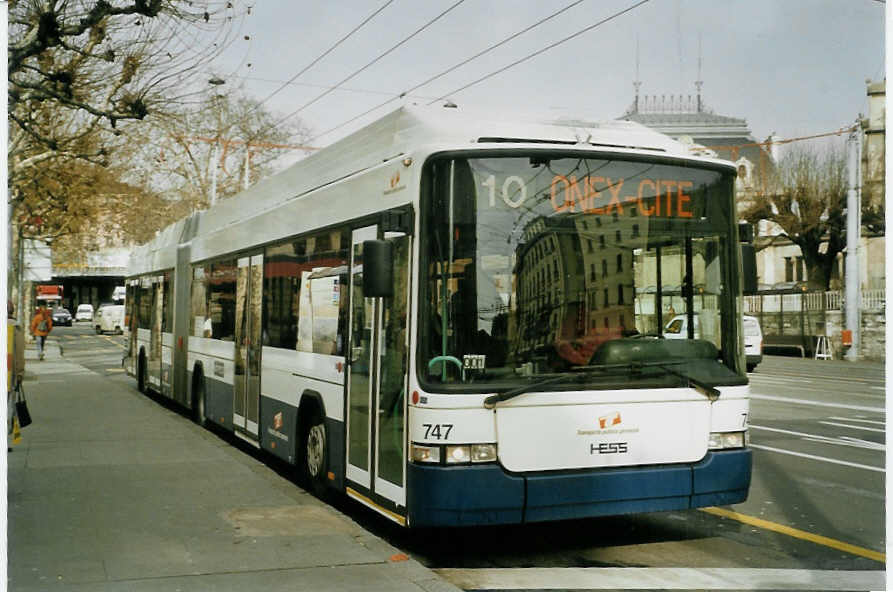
pixel 673 192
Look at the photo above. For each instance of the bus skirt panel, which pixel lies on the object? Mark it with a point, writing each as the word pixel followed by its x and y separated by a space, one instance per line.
pixel 463 495
pixel 467 495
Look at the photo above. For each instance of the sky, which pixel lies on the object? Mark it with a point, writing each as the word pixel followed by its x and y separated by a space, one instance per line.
pixel 794 67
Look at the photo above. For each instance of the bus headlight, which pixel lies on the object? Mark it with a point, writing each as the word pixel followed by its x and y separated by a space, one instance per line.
pixel 453 454
pixel 458 454
pixel 483 453
pixel 725 440
pixel 425 454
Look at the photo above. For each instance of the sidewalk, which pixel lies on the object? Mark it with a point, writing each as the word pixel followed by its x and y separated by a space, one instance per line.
pixel 110 491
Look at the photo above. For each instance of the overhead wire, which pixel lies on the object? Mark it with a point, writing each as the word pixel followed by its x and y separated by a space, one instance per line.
pixel 321 56
pixel 341 88
pixel 487 50
pixel 365 67
pixel 543 50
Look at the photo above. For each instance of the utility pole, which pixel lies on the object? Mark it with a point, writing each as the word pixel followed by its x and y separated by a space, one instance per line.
pixel 853 293
pixel 217 159
pixel 213 165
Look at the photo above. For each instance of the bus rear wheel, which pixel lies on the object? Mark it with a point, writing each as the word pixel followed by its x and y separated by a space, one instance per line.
pixel 141 373
pixel 315 454
pixel 198 400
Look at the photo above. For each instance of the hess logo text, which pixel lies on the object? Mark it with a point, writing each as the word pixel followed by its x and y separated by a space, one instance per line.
pixel 609 448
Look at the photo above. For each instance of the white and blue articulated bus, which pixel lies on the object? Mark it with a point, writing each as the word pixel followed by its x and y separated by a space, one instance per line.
pixel 458 320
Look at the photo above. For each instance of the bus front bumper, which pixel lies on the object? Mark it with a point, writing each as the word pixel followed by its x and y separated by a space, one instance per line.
pixel 487 494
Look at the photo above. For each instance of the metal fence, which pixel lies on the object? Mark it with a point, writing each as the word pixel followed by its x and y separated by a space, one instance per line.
pixel 871 300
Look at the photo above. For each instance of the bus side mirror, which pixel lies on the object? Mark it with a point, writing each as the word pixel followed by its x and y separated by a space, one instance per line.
pixel 378 269
pixel 749 268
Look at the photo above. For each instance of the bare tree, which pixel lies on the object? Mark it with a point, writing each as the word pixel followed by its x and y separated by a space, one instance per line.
pixel 806 199
pixel 77 71
pixel 179 151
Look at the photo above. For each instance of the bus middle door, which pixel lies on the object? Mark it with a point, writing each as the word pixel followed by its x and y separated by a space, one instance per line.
pixel 246 390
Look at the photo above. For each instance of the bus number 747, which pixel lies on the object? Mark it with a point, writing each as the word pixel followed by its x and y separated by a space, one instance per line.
pixel 438 431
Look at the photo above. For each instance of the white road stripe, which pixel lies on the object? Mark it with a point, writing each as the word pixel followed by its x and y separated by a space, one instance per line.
pixel 661 578
pixel 854 427
pixel 816 403
pixel 820 458
pixel 851 442
pixel 840 441
pixel 860 420
pixel 764 378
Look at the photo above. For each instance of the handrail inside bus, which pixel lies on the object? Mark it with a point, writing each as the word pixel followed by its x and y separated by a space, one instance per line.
pixel 452 359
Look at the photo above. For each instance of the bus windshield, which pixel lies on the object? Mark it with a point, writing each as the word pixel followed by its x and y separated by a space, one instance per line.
pixel 532 264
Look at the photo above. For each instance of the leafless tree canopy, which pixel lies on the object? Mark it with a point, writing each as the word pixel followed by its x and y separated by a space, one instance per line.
pixel 806 197
pixel 98 62
pixel 78 72
pixel 78 69
pixel 178 151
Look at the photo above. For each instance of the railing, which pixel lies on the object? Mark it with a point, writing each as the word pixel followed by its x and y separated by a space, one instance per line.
pixel 872 300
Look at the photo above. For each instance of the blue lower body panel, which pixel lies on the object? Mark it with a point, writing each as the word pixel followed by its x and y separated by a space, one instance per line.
pixel 487 494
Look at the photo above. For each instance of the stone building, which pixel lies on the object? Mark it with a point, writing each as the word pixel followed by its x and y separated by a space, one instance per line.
pixel 779 262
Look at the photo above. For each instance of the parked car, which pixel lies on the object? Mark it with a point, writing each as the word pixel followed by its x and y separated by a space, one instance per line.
pixel 109 318
pixel 61 316
pixel 677 328
pixel 84 312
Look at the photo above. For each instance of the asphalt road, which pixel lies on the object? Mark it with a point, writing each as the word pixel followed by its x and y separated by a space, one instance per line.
pixel 816 505
pixel 81 344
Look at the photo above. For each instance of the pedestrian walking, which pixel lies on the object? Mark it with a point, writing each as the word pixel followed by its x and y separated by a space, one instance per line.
pixel 41 325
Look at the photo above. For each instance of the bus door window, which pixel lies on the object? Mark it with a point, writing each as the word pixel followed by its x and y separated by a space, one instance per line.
pixel 361 365
pixel 221 282
pixel 393 363
pixel 199 322
pixel 242 337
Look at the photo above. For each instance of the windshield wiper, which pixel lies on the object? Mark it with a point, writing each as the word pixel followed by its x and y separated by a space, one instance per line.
pixel 712 393
pixel 491 401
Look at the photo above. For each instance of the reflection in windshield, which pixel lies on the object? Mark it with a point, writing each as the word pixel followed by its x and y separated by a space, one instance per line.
pixel 534 263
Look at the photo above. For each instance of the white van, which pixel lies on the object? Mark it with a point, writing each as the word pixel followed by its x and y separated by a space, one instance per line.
pixel 84 312
pixel 677 328
pixel 753 341
pixel 109 318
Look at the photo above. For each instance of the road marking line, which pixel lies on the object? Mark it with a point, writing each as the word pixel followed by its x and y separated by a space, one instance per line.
pixel 854 427
pixel 860 420
pixel 821 458
pixel 817 403
pixel 798 534
pixel 838 441
pixel 816 376
pixel 830 439
pixel 114 369
pixel 661 578
pixel 847 441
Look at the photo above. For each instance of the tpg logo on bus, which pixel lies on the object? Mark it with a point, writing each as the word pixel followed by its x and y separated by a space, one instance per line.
pixel 394 184
pixel 612 419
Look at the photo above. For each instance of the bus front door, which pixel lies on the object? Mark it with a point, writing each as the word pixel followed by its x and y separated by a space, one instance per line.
pixel 246 388
pixel 376 384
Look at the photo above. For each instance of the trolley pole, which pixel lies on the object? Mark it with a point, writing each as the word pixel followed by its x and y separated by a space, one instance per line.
pixel 853 293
